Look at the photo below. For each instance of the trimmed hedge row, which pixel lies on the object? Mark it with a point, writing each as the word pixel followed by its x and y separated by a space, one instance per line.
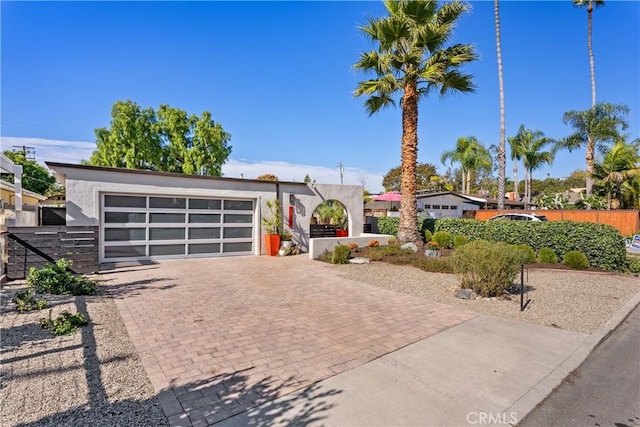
pixel 390 225
pixel 602 244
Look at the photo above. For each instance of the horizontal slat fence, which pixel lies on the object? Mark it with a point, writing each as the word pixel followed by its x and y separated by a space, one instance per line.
pixel 37 246
pixel 626 221
pixel 322 230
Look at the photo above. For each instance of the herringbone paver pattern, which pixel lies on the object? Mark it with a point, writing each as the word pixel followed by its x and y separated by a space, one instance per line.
pixel 217 336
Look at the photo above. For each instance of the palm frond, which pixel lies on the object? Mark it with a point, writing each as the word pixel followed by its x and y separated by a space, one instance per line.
pixel 375 103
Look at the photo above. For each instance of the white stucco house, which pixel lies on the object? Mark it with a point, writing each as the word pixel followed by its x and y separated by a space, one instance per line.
pixel 447 204
pixel 145 215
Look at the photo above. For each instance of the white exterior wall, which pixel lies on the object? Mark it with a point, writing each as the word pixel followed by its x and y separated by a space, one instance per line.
pixel 445 199
pixel 85 185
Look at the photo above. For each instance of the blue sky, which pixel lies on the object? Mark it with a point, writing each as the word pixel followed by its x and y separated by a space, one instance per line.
pixel 278 77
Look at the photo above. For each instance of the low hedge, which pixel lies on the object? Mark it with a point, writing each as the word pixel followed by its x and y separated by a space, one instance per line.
pixel 602 244
pixel 390 225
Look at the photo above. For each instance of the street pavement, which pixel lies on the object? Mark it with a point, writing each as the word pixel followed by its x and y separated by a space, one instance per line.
pixel 604 390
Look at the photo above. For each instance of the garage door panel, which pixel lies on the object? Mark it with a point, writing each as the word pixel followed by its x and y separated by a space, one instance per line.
pixel 143 227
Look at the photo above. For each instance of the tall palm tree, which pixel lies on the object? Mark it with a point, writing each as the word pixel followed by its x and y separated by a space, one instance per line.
pixel 620 164
pixel 413 58
pixel 590 4
pixel 471 155
pixel 501 148
pixel 529 145
pixel 594 128
pixel 515 143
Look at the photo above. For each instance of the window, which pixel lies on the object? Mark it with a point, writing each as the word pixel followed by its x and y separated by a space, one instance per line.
pixel 167 203
pixel 436 206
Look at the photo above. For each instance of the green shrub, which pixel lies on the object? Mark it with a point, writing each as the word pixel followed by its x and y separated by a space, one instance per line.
pixel 633 264
pixel 576 259
pixel 433 264
pixel 443 239
pixel 602 244
pixel 527 253
pixel 25 301
pixel 65 324
pixel 459 241
pixel 390 225
pixel 487 268
pixel 56 279
pixel 427 235
pixel 340 254
pixel 547 256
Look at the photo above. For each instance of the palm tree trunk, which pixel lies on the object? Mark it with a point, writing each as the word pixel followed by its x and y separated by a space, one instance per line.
pixel 590 157
pixel 591 61
pixel 502 159
pixel 408 229
pixel 515 180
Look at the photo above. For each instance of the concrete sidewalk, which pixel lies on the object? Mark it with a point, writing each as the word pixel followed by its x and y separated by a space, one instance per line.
pixel 485 371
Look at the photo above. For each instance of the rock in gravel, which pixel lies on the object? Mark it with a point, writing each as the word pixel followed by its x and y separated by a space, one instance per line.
pixel 432 253
pixel 466 294
pixel 411 246
pixel 359 260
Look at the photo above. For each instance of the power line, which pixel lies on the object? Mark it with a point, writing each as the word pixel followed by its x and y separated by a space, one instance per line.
pixel 29 152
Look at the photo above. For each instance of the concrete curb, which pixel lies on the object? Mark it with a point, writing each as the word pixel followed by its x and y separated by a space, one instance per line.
pixel 530 400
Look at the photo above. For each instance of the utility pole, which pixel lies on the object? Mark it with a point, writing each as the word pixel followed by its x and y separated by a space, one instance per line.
pixel 341 173
pixel 29 152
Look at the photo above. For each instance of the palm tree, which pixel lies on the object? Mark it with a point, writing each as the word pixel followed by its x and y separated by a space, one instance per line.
pixel 590 4
pixel 529 145
pixel 501 148
pixel 413 59
pixel 516 156
pixel 620 164
pixel 594 128
pixel 471 155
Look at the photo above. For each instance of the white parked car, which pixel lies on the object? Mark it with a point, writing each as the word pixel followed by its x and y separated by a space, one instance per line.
pixel 520 217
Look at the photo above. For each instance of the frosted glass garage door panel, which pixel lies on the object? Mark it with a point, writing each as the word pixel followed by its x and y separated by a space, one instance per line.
pixel 204 218
pixel 173 218
pixel 124 234
pixel 167 203
pixel 166 233
pixel 125 251
pixel 204 248
pixel 113 201
pixel 238 218
pixel 204 233
pixel 238 205
pixel 124 217
pixel 237 247
pixel 237 232
pixel 161 250
pixel 205 204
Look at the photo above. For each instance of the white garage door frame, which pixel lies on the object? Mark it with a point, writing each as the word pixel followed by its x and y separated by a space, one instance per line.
pixel 136 227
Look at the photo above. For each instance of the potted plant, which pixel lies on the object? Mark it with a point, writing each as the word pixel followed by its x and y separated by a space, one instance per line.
pixel 340 219
pixel 285 239
pixel 272 224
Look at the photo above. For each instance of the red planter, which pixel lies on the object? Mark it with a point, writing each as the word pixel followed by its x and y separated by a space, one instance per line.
pixel 272 243
pixel 342 233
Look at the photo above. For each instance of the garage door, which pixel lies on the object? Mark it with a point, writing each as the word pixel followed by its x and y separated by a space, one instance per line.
pixel 135 227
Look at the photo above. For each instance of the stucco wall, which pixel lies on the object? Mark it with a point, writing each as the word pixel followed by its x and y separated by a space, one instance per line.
pixel 84 186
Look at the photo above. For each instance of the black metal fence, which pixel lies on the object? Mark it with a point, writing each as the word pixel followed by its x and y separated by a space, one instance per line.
pixel 36 246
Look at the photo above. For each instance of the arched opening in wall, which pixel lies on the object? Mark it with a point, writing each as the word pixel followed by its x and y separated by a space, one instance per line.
pixel 329 219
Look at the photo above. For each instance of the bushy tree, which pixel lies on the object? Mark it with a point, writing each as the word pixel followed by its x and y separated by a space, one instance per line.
pixel 35 178
pixel 169 140
pixel 424 172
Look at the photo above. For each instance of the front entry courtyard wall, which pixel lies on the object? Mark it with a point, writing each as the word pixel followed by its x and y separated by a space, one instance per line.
pixel 165 215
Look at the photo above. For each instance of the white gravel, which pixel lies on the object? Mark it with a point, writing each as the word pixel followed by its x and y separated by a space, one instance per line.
pixel 577 301
pixel 91 378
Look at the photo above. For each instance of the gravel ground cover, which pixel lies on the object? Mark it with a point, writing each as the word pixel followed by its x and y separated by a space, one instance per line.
pixel 566 299
pixel 91 378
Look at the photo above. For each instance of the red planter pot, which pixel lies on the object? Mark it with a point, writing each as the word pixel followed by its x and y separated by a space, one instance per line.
pixel 272 243
pixel 342 233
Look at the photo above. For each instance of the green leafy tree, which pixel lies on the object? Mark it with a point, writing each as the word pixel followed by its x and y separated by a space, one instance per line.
pixel 168 140
pixel 595 128
pixel 392 181
pixel 471 155
pixel 35 178
pixel 590 4
pixel 413 59
pixel 620 164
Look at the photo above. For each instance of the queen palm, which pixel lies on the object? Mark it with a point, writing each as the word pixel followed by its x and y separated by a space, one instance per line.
pixel 620 164
pixel 594 128
pixel 471 155
pixel 592 69
pixel 530 146
pixel 412 59
pixel 516 156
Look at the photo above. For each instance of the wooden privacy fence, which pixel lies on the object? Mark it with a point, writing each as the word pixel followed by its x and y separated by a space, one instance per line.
pixel 37 246
pixel 626 221
pixel 322 230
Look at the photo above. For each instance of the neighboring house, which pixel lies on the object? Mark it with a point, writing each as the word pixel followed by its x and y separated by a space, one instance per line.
pixel 447 204
pixel 145 215
pixel 8 196
pixel 17 206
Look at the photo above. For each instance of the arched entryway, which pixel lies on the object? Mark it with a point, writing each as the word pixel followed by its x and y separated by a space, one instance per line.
pixel 329 219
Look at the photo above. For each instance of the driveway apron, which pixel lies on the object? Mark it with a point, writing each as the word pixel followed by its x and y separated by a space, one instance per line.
pixel 220 336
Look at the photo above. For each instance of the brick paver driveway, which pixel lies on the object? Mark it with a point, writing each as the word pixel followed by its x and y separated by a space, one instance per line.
pixel 218 336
